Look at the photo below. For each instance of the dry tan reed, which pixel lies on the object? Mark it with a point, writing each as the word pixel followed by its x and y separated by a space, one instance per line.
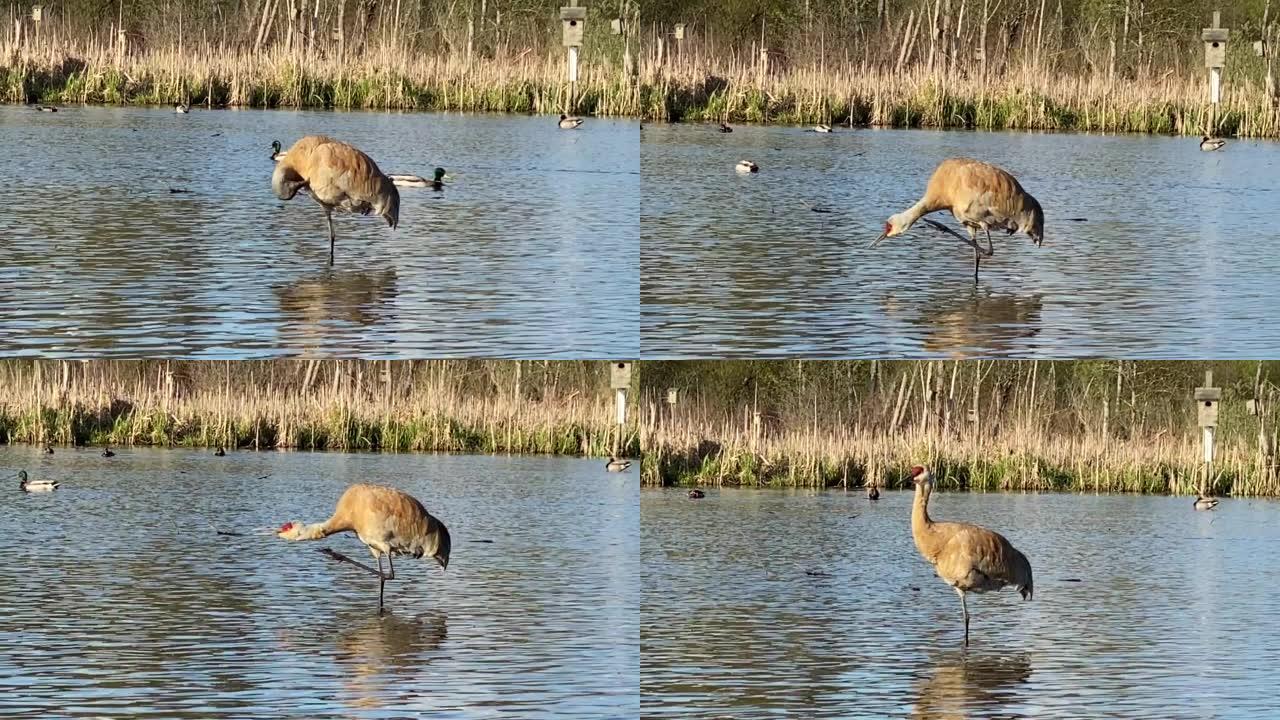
pixel 71 72
pixel 473 406
pixel 703 89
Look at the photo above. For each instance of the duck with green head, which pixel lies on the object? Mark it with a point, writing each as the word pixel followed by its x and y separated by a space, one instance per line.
pixel 26 485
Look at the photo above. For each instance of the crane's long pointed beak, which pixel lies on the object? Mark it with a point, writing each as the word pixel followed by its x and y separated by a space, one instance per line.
pixel 880 239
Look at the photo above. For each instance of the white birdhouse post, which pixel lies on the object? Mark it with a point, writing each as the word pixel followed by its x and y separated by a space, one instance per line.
pixel 37 15
pixel 679 35
pixel 1207 399
pixel 1215 58
pixel 573 20
pixel 620 381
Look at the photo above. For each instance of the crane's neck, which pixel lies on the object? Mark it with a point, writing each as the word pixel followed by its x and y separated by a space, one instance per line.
pixel 921 523
pixel 905 219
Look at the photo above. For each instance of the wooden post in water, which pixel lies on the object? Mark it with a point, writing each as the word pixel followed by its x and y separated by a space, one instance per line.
pixel 1207 399
pixel 1215 58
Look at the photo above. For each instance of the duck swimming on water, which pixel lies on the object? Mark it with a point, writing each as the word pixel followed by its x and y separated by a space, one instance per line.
pixel 569 123
pixel 617 464
pixel 26 485
pixel 746 166
pixel 1209 144
pixel 1205 503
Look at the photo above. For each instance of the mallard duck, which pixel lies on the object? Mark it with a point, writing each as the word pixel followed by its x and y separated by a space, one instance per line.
pixel 220 452
pixel 436 183
pixel 873 492
pixel 276 153
pixel 182 109
pixel 724 128
pixel 1205 503
pixel 746 166
pixel 46 108
pixel 26 485
pixel 106 452
pixel 822 128
pixel 696 494
pixel 616 464
pixel 1209 144
pixel 569 123
pixel 48 449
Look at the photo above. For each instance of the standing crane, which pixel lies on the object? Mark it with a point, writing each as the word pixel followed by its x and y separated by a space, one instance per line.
pixel 338 176
pixel 982 197
pixel 967 557
pixel 388 521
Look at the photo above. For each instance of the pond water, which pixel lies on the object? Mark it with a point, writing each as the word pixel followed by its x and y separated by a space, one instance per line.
pixel 1175 258
pixel 1173 614
pixel 119 598
pixel 531 251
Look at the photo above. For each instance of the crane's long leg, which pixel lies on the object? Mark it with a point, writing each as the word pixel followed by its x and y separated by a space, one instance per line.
pixel 977 258
pixel 383 578
pixel 328 216
pixel 964 608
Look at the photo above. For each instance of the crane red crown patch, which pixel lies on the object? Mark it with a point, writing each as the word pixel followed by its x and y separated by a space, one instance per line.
pixel 285 527
pixel 915 471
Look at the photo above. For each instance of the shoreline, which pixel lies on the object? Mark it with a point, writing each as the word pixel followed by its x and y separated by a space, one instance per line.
pixel 377 80
pixel 1019 99
pixel 203 450
pixel 425 406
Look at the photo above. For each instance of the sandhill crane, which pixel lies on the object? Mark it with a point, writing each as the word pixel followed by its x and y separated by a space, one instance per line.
pixel 982 197
pixel 1204 503
pixel 967 557
pixel 822 128
pixel 388 521
pixel 182 109
pixel 724 128
pixel 873 492
pixel 746 166
pixel 106 452
pixel 1209 144
pixel 617 464
pixel 696 494
pixel 26 485
pixel 569 123
pixel 338 176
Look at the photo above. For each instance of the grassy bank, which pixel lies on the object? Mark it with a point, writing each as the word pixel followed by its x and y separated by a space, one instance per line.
pixel 381 78
pixel 1026 99
pixel 461 406
pixel 980 426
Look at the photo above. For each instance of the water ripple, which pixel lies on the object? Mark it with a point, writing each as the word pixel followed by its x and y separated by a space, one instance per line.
pixel 1171 619
pixel 119 599
pixel 1171 262
pixel 532 251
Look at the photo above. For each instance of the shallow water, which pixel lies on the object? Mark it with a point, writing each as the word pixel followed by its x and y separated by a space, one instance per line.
pixel 120 599
pixel 1175 259
pixel 531 251
pixel 1173 616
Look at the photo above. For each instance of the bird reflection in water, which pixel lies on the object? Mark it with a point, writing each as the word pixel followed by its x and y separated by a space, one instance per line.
pixel 976 321
pixel 379 651
pixel 320 309
pixel 966 685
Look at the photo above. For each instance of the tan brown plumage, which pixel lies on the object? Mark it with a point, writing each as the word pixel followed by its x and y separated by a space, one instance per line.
pixel 982 197
pixel 338 176
pixel 967 557
pixel 388 521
